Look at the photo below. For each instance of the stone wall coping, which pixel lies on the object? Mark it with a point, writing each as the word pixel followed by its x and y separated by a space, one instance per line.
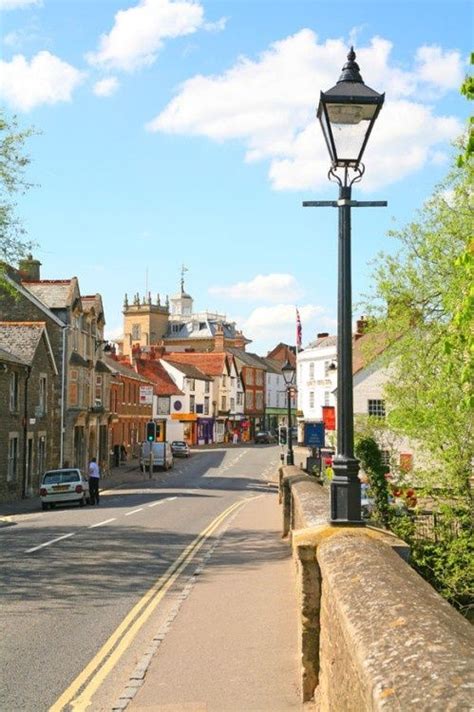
pixel 412 650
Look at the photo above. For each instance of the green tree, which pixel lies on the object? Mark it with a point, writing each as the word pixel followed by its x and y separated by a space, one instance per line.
pixel 424 298
pixel 13 163
pixel 424 305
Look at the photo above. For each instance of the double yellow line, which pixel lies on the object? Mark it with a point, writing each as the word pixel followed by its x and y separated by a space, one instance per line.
pixel 90 679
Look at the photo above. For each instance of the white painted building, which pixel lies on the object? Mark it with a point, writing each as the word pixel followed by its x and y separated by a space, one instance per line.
pixel 316 377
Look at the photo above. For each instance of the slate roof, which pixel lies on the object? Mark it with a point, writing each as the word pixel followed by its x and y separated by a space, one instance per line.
pixel 274 365
pixel 21 339
pixel 55 293
pixel 189 370
pixel 11 358
pixel 323 342
pixel 248 359
pixel 213 363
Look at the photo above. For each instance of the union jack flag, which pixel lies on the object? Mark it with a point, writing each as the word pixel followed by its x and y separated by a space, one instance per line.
pixel 299 331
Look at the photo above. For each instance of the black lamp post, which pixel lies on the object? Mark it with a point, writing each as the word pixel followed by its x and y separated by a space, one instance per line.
pixel 289 375
pixel 347 113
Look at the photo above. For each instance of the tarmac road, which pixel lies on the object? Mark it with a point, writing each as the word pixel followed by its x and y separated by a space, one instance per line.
pixel 82 588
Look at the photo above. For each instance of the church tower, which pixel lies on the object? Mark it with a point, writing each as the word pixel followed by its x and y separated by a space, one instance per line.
pixel 145 322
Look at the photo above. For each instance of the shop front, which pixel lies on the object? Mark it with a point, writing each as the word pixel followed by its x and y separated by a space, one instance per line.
pixel 190 426
pixel 205 431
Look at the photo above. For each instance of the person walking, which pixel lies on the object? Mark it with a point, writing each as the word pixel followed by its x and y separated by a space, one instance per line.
pixel 94 476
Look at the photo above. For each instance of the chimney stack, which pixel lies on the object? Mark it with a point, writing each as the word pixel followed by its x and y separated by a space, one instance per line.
pixel 30 269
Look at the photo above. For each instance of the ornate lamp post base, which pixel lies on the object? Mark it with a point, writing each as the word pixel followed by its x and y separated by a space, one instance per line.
pixel 345 491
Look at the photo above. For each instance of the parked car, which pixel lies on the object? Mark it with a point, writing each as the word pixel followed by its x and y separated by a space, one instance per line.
pixel 179 448
pixel 64 486
pixel 264 436
pixel 162 455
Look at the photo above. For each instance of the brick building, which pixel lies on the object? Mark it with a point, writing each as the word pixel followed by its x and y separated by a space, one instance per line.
pixel 128 415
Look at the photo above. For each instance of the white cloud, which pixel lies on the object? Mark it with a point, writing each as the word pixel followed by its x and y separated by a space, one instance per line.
pixel 441 69
pixel 269 288
pixel 46 79
pixel 17 4
pixel 106 87
pixel 268 325
pixel 138 32
pixel 269 105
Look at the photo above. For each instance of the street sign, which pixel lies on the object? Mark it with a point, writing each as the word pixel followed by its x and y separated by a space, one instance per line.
pixel 314 435
pixel 146 395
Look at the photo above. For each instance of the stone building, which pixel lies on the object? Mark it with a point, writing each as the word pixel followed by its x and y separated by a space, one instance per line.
pixel 29 418
pixel 75 326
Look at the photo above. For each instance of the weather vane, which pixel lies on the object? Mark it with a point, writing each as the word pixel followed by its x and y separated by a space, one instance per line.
pixel 183 270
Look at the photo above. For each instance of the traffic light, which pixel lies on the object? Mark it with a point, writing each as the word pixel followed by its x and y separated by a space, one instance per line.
pixel 151 431
pixel 282 435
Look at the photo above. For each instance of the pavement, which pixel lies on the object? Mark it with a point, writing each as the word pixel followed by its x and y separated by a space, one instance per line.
pixel 233 646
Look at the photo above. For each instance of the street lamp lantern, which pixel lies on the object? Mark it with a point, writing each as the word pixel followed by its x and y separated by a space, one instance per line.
pixel 347 113
pixel 289 371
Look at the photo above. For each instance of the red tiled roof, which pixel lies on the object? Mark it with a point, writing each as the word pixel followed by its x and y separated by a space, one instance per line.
pixel 212 363
pixel 155 372
pixel 366 348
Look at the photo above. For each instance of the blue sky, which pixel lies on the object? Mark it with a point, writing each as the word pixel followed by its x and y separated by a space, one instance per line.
pixel 185 131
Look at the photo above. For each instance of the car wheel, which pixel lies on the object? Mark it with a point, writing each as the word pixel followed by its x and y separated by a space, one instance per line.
pixel 44 506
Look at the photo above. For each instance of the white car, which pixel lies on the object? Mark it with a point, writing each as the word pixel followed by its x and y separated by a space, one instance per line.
pixel 64 486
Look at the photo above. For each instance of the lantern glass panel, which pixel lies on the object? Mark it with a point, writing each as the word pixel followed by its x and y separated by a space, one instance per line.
pixel 350 124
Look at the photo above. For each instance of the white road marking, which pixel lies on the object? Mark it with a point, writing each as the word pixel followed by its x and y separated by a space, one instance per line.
pixel 53 541
pixel 134 511
pixel 154 504
pixel 100 524
pixel 170 499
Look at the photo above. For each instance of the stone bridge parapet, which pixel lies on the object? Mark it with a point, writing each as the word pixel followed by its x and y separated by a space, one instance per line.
pixel 374 635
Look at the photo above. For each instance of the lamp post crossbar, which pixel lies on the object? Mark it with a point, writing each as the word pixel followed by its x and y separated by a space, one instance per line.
pixel 345 485
pixel 340 203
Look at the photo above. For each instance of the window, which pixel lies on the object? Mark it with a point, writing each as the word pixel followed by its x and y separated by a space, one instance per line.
pixel 14 388
pixel 259 378
pixel 206 405
pixel 232 405
pixel 223 403
pixel 240 398
pixel 43 394
pixel 206 386
pixel 12 470
pixel 224 381
pixel 249 376
pixel 311 370
pixel 249 400
pixel 376 407
pixel 326 398
pixel 385 457
pixel 192 384
pixel 311 399
pixel 98 390
pixel 259 400
pixel 136 332
pixel 192 404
